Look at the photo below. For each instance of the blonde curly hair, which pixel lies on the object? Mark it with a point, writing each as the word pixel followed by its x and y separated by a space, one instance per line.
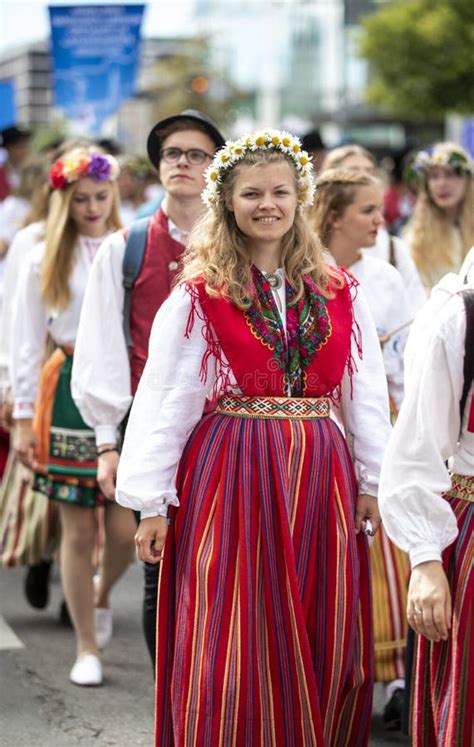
pixel 217 249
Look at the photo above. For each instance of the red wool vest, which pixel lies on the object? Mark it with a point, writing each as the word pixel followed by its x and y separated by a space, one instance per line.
pixel 152 287
pixel 252 362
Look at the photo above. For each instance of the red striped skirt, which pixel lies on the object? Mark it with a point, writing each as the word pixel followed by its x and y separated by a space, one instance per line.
pixel 264 618
pixel 443 698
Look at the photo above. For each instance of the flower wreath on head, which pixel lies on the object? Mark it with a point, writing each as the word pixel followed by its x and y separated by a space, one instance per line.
pixel 453 158
pixel 97 166
pixel 235 150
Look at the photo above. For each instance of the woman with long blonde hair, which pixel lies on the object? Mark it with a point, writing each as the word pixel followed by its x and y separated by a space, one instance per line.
pixel 441 230
pixel 50 436
pixel 263 625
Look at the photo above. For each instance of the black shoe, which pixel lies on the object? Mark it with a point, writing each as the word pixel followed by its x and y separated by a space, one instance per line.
pixel 64 616
pixel 37 584
pixel 392 713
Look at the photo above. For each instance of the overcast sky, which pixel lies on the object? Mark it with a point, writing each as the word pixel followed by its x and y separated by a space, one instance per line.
pixel 23 21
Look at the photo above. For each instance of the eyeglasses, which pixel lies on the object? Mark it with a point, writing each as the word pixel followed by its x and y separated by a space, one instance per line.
pixel 194 156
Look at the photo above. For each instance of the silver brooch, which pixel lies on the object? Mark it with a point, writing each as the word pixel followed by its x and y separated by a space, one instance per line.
pixel 274 280
pixel 173 265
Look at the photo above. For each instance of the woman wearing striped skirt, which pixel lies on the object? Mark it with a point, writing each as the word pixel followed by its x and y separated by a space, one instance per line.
pixel 428 510
pixel 51 437
pixel 247 488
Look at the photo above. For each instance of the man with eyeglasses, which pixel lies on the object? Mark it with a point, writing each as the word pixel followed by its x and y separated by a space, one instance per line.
pixel 106 370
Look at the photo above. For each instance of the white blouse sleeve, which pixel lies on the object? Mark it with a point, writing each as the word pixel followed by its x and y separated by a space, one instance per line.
pixel 364 404
pixel 25 240
pixel 100 382
pixel 414 474
pixel 169 402
pixel 29 331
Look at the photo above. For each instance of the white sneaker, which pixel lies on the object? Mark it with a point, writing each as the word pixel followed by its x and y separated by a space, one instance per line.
pixel 103 626
pixel 87 671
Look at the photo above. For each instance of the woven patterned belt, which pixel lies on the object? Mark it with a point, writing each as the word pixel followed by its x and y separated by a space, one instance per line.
pixel 462 486
pixel 297 408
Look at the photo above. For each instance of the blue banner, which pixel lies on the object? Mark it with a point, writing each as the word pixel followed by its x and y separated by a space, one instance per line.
pixel 95 55
pixel 8 115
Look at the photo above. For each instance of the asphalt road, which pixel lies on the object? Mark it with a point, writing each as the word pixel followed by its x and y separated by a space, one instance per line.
pixel 39 707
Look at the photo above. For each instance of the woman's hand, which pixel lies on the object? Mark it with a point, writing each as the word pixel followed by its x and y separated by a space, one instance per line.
pixel 429 601
pixel 24 442
pixel 150 538
pixel 6 416
pixel 107 466
pixel 367 507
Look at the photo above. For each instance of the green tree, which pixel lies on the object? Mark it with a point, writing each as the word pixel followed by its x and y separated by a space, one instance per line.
pixel 421 57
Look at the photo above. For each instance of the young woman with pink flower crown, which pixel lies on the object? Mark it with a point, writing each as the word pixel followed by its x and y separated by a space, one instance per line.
pixel 247 489
pixel 50 436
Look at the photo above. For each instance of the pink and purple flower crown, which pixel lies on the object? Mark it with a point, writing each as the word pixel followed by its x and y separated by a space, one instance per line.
pixel 97 166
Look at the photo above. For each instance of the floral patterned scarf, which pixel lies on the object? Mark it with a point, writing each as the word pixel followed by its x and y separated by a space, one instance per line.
pixel 308 328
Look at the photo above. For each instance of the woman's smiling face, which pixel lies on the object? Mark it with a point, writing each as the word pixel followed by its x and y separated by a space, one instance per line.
pixel 264 201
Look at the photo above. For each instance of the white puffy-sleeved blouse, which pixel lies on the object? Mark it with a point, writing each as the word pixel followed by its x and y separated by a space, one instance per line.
pixel 25 240
pixel 171 396
pixel 32 322
pixel 417 294
pixel 428 432
pixel 388 302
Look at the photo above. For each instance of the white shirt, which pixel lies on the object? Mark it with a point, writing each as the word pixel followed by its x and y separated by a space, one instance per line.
pixel 101 379
pixel 427 433
pixel 388 302
pixel 404 263
pixel 33 322
pixel 170 399
pixel 25 240
pixel 13 211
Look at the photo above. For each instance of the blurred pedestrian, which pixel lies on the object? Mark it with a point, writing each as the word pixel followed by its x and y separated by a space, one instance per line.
pixel 131 183
pixel 263 621
pixel 112 340
pixel 17 205
pixel 16 142
pixel 390 248
pixel 427 503
pixel 312 142
pixel 347 213
pixel 58 445
pixel 441 230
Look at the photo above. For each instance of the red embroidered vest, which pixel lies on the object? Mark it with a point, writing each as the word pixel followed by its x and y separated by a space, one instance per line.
pixel 151 288
pixel 253 363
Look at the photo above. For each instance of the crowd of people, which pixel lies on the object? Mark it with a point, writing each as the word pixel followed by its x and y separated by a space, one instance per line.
pixel 228 364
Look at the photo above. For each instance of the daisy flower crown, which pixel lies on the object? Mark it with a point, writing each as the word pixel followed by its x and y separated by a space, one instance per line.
pixel 445 157
pixel 97 166
pixel 235 150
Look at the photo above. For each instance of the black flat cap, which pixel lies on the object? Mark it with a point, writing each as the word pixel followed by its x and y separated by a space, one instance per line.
pixel 12 135
pixel 153 143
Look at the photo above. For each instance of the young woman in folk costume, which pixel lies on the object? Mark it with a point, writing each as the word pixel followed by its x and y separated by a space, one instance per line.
pixel 56 443
pixel 427 494
pixel 441 230
pixel 388 247
pixel 264 618
pixel 347 214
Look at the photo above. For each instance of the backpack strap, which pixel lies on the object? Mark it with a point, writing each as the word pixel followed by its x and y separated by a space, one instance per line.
pixel 391 251
pixel 468 298
pixel 132 264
